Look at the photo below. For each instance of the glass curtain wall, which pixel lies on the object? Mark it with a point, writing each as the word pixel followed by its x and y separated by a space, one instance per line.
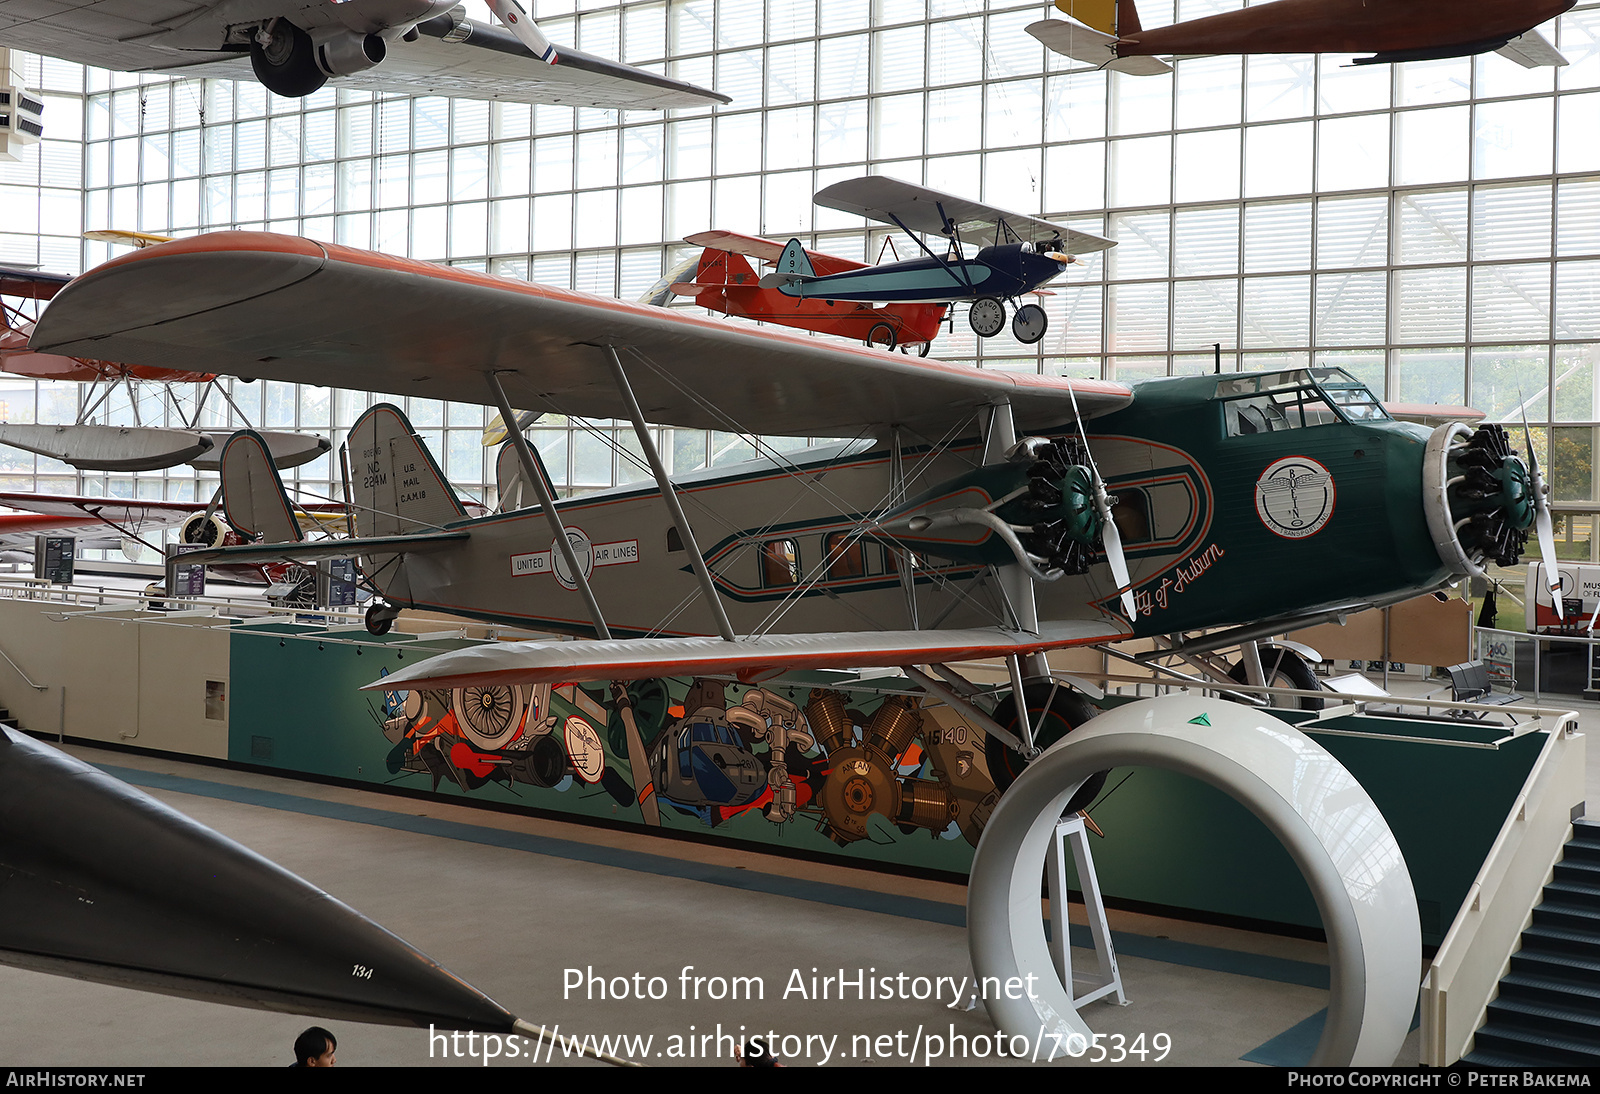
pixel 1434 226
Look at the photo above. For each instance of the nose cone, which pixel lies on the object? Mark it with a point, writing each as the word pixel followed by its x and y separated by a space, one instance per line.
pixel 1480 497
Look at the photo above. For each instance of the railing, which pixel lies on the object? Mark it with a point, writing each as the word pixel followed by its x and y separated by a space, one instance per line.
pixel 1501 650
pixel 1475 953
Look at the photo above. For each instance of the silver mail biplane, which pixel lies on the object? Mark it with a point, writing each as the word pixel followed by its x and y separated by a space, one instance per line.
pixel 959 514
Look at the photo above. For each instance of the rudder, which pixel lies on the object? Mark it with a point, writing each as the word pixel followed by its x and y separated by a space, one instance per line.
pixel 253 498
pixel 396 487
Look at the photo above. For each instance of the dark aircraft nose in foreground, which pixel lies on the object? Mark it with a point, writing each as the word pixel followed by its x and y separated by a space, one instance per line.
pixel 101 882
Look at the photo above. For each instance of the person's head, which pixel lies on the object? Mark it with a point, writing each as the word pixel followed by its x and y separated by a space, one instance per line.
pixel 315 1048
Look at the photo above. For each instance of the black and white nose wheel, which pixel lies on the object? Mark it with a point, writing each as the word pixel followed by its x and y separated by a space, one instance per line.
pixel 987 315
pixel 881 334
pixel 1029 324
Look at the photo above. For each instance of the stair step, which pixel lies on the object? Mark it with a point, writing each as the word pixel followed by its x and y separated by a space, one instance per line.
pixel 1556 966
pixel 1563 940
pixel 1549 1049
pixel 1583 871
pixel 1546 1020
pixel 1570 914
pixel 1573 892
pixel 1573 994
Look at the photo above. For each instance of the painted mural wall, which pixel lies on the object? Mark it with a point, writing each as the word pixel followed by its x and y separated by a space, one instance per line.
pixel 830 766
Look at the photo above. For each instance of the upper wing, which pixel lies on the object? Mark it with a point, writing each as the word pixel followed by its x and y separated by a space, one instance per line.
pixel 449 54
pixel 120 512
pixel 31 284
pixel 257 305
pixel 768 250
pixel 887 200
pixel 750 659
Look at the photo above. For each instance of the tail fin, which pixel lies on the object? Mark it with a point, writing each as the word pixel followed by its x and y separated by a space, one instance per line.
pixel 794 260
pixel 1127 19
pixel 1099 14
pixel 516 492
pixel 253 498
pixel 396 487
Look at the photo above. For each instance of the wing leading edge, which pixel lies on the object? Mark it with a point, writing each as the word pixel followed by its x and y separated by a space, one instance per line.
pixel 282 308
pixel 505 663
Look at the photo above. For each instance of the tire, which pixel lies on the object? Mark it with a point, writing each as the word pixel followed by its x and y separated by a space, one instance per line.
pixel 379 622
pixel 1029 324
pixel 288 65
pixel 924 349
pixel 1284 669
pixel 1069 711
pixel 881 334
pixel 987 316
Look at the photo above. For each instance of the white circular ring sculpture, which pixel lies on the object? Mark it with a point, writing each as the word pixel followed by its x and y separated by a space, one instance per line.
pixel 1303 795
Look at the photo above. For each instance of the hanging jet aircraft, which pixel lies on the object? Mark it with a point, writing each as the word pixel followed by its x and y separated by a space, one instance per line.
pixel 725 282
pixel 975 514
pixel 1108 33
pixel 293 47
pixel 1021 254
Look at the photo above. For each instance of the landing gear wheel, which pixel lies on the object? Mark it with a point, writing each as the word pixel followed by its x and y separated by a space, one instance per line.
pixel 922 350
pixel 286 65
pixel 1029 324
pixel 881 334
pixel 380 619
pixel 1285 669
pixel 987 315
pixel 1068 711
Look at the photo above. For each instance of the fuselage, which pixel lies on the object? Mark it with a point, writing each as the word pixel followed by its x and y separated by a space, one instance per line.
pixel 1228 511
pixel 1004 271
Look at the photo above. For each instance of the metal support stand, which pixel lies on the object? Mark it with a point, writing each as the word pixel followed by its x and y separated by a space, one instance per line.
pixel 1106 980
pixel 708 588
pixel 548 502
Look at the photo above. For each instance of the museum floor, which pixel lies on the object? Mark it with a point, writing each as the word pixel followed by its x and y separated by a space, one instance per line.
pixel 510 903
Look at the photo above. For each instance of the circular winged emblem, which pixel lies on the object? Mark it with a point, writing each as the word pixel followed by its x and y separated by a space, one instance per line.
pixel 1294 497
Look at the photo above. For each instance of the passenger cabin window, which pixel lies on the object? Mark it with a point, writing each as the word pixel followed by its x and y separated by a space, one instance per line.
pixel 847 556
pixel 1292 400
pixel 780 563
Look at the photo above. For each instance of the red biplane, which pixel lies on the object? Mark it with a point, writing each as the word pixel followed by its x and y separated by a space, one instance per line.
pixel 724 281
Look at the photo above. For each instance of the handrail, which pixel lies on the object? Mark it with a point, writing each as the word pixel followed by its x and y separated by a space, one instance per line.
pixel 25 679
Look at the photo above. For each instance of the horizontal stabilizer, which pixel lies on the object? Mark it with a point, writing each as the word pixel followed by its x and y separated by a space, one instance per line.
pixel 1071 38
pixel 104 883
pixel 1140 66
pixel 748 658
pixel 1532 50
pixel 253 498
pixel 322 549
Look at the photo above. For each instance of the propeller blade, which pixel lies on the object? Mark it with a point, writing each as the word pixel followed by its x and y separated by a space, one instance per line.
pixel 1112 541
pixel 1542 523
pixel 1110 537
pixel 517 20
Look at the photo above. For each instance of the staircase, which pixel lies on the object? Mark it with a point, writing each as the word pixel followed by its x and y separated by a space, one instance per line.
pixel 1548 1009
pixel 7 720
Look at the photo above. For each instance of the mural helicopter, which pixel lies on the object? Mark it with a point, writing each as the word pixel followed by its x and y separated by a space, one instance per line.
pixel 1016 255
pixel 1109 34
pixel 975 514
pixel 725 282
pixel 294 47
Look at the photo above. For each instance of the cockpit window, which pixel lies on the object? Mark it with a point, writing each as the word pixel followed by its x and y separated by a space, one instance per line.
pixel 1296 399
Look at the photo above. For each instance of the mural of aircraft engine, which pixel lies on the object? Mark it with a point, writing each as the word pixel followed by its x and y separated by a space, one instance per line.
pixel 725 282
pixel 977 513
pixel 294 47
pixel 1016 255
pixel 1108 33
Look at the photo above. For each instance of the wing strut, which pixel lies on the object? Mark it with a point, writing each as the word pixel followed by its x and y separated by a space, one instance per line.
pixel 707 588
pixel 547 502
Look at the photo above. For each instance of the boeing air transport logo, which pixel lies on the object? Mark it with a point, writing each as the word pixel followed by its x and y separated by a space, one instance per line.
pixel 1294 497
